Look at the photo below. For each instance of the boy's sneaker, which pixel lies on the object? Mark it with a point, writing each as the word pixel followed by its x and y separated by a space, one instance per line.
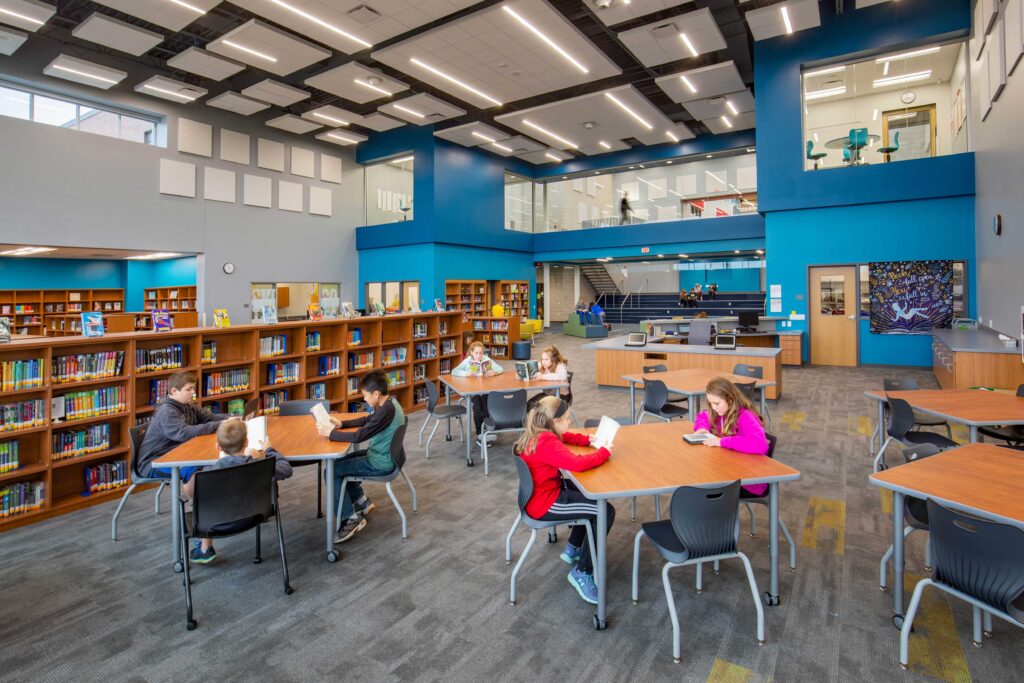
pixel 364 508
pixel 584 585
pixel 350 528
pixel 571 554
pixel 491 438
pixel 197 556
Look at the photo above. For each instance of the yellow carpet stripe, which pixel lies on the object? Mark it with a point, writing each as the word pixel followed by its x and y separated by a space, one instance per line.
pixel 822 514
pixel 794 420
pixel 935 645
pixel 727 672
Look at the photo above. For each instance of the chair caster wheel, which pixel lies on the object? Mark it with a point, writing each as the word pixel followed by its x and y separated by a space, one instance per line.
pixel 405 540
pixel 793 569
pixel 977 643
pixel 904 666
pixel 897 621
pixel 753 535
pixel 676 660
pixel 191 624
pixel 552 538
pixel 319 515
pixel 699 591
pixel 178 567
pixel 257 560
pixel 987 634
pixel 600 624
pixel 448 437
pixel 332 556
pixel 715 571
pixel 771 600
pixel 636 602
pixel 927 568
pixel 760 643
pixel 469 463
pixel 883 589
pixel 289 590
pixel 632 519
pixel 512 602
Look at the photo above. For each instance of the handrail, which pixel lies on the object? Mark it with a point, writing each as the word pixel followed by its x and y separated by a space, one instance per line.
pixel 639 291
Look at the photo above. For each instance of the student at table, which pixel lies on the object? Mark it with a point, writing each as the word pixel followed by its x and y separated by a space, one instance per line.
pixel 478 364
pixel 732 423
pixel 552 367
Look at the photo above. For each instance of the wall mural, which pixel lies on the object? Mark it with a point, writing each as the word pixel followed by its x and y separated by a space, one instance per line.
pixel 911 297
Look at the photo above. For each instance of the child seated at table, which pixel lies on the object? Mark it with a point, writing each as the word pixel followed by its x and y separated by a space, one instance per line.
pixel 478 364
pixel 732 423
pixel 542 448
pixel 232 436
pixel 553 368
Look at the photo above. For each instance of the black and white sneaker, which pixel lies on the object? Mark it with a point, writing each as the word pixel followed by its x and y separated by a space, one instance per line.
pixel 350 528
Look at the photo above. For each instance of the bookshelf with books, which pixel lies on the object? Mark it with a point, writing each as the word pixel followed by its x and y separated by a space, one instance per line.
pixel 28 308
pixel 497 334
pixel 181 298
pixel 468 296
pixel 179 319
pixel 70 324
pixel 514 296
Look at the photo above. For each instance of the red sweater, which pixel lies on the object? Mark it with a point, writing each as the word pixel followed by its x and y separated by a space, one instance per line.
pixel 547 458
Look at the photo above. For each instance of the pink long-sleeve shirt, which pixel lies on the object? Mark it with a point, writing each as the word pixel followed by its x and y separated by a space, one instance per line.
pixel 749 438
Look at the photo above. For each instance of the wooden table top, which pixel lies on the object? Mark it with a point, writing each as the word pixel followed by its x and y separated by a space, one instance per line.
pixel 294 437
pixel 653 458
pixel 969 406
pixel 506 381
pixel 694 380
pixel 980 477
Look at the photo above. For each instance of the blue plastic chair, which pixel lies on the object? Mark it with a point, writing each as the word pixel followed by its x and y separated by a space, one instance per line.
pixel 858 141
pixel 895 147
pixel 814 156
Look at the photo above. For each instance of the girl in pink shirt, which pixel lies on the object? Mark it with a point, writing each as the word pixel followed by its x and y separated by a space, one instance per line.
pixel 732 423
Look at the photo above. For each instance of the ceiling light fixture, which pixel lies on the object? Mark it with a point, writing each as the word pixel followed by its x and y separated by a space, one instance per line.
pixel 249 50
pixel 412 112
pixel 16 15
pixel 319 22
pixel 874 116
pixel 154 255
pixel 483 137
pixel 552 44
pixel 731 107
pixel 686 81
pixel 823 72
pixel 760 251
pixel 503 148
pixel 727 122
pixel 604 144
pixel 907 55
pixel 86 74
pixel 452 79
pixel 629 111
pixel 182 3
pixel 325 117
pixel 785 19
pixel 342 138
pixel 551 156
pixel 165 91
pixel 750 150
pixel 885 69
pixel 553 136
pixel 715 177
pixel 371 86
pixel 672 136
pixel 26 251
pixel 827 92
pixel 402 160
pixel 898 80
pixel 688 44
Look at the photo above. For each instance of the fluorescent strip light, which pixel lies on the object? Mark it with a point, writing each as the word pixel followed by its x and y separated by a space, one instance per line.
pixel 182 3
pixel 785 19
pixel 150 257
pixel 452 79
pixel 688 44
pixel 551 156
pixel 342 138
pixel 23 17
pixel 320 22
pixel 727 122
pixel 371 86
pixel 187 98
pixel 567 143
pixel 503 148
pixel 823 72
pixel 325 117
pixel 482 136
pixel 552 44
pixel 827 92
pixel 686 81
pixel 412 112
pixel 816 137
pixel 402 160
pixel 715 177
pixel 885 69
pixel 907 55
pixel 732 108
pixel 874 116
pixel 84 73
pixel 26 251
pixel 629 111
pixel 908 78
pixel 672 136
pixel 249 50
pixel 751 149
pixel 604 144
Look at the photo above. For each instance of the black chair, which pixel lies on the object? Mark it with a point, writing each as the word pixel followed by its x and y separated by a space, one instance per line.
pixel 920 419
pixel 915 514
pixel 136 435
pixel 656 402
pixel 672 396
pixel 748 389
pixel 754 372
pixel 568 399
pixel 901 421
pixel 703 526
pixel 439 413
pixel 1013 435
pixel 227 502
pixel 747 499
pixel 977 560
pixel 506 413
pixel 398 457
pixel 292 408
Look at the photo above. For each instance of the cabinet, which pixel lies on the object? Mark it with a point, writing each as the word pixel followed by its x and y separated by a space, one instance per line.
pixel 792 348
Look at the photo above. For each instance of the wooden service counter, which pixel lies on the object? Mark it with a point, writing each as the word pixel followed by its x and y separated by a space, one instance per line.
pixel 962 359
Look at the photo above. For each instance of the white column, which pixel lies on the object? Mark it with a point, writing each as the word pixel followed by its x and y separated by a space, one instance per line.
pixel 575 286
pixel 547 295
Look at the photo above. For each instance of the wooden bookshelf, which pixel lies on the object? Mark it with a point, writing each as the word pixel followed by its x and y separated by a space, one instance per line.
pixel 28 308
pixel 70 324
pixel 351 348
pixel 143 321
pixel 514 296
pixel 181 298
pixel 471 297
pixel 497 334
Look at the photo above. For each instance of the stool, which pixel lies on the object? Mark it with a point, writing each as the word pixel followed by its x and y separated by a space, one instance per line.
pixel 521 350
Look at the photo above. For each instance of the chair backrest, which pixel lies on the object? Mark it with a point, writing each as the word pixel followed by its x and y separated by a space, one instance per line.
pixel 291 408
pixel 591 423
pixel 915 509
pixel 901 418
pixel 398 445
pixel 772 440
pixel 136 435
pixel 982 558
pixel 525 484
pixel 655 368
pixel 748 389
pixel 810 146
pixel 1020 391
pixel 507 408
pixel 700 333
pixel 846 154
pixel 655 395
pixel 232 496
pixel 433 395
pixel 901 384
pixel 896 140
pixel 858 137
pixel 744 370
pixel 706 520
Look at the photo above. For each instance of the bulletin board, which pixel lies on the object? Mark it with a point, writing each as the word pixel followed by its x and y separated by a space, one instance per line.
pixel 910 297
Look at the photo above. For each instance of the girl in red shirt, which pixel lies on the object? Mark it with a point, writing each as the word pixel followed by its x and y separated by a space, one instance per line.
pixel 542 448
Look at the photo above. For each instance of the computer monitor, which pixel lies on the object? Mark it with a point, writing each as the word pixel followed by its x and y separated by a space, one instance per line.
pixel 749 319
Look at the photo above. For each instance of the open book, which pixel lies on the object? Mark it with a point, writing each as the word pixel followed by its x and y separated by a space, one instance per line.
pixel 256 430
pixel 479 367
pixel 526 369
pixel 605 434
pixel 323 419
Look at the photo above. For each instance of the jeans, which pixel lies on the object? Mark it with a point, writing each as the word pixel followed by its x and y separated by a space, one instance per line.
pixel 572 504
pixel 356 464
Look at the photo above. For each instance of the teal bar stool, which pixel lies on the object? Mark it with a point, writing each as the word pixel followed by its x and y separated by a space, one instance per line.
pixel 887 151
pixel 846 156
pixel 814 156
pixel 858 141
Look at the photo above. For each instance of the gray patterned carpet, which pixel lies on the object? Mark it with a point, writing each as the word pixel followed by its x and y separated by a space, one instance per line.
pixel 78 607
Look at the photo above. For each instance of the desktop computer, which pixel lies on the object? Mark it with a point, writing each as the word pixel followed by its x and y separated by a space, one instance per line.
pixel 748 321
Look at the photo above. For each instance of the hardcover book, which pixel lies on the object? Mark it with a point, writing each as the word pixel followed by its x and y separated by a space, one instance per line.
pixel 162 321
pixel 269 314
pixel 315 312
pixel 92 324
pixel 221 318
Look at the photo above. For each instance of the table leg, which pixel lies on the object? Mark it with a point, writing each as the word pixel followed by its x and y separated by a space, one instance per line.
pixel 469 423
pixel 878 429
pixel 897 558
pixel 974 434
pixel 632 400
pixel 176 521
pixel 764 405
pixel 693 405
pixel 771 598
pixel 332 554
pixel 600 565
pixel 447 423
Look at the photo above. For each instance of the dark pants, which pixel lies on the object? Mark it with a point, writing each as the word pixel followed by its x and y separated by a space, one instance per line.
pixel 479 410
pixel 572 504
pixel 356 464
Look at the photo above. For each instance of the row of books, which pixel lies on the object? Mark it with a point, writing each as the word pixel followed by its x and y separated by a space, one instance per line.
pixel 80 405
pixel 497 351
pixel 449 346
pixel 9 456
pixel 275 345
pixel 312 341
pixel 23 414
pixel 105 476
pixel 419 330
pixel 106 306
pixel 272 401
pixel 497 325
pixel 328 365
pixel 355 336
pixel 394 356
pixel 499 338
pixel 234 407
pixel 53 308
pixel 93 439
pixel 445 366
pixel 425 350
pixel 360 361
pixel 86 366
pixel 157 390
pixel 169 357
pixel 442 327
pixel 420 395
pixel 225 382
pixel 352 385
pixel 282 373
pixel 22 497
pixel 317 390
pixel 209 355
pixel 419 373
pixel 21 374
pixel 395 378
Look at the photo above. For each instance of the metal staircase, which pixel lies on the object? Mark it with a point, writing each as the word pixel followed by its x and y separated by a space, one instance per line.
pixel 598 277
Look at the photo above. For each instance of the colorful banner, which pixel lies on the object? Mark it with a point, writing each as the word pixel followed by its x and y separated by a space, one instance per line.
pixel 911 297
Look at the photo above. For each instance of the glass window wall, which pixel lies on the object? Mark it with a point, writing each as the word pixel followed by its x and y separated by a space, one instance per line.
pixel 389 190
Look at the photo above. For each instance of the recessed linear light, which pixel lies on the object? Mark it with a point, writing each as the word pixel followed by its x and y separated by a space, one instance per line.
pixel 182 3
pixel 885 69
pixel 153 256
pixel 689 45
pixel 727 122
pixel 26 251
pixel 86 74
pixel 402 160
pixel 672 136
pixel 827 92
pixel 604 144
pixel 249 50
pixel 551 156
pixel 686 81
pixel 785 19
pixel 371 86
pixel 735 251
pixel 342 138
pixel 553 136
pixel 629 111
pixel 760 251
pixel 412 112
pixel 750 150
pixel 823 72
pixel 320 22
pixel 898 80
pixel 874 115
pixel 187 98
pixel 452 79
pixel 731 107
pixel 325 117
pixel 503 148
pixel 907 55
pixel 483 137
pixel 552 44
pixel 16 15
pixel 684 256
pixel 661 256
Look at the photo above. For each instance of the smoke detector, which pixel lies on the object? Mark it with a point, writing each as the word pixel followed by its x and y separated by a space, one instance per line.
pixel 374 80
pixel 589 125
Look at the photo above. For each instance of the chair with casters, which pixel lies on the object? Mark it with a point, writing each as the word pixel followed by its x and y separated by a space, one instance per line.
pixel 858 141
pixel 977 560
pixel 754 372
pixel 291 409
pixel 1013 435
pixel 440 412
pixel 227 502
pixel 136 434
pixel 703 526
pixel 887 152
pixel 397 457
pixel 656 402
pixel 920 419
pixel 814 156
pixel 747 499
pixel 506 413
pixel 915 514
pixel 524 495
pixel 901 421
pixel 660 367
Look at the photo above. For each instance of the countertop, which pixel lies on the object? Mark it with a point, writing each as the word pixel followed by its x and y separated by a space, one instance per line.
pixel 715 318
pixel 981 340
pixel 619 344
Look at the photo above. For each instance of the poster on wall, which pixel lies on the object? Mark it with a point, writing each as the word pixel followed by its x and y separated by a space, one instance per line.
pixel 911 297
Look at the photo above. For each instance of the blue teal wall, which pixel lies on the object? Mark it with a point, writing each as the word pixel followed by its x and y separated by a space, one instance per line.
pixel 164 273
pixel 408 262
pixel 53 273
pixel 727 279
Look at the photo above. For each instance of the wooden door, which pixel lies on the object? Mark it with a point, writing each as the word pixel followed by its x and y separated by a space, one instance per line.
pixel 833 315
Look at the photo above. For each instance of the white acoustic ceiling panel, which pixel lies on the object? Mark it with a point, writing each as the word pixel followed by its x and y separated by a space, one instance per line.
pixel 170 14
pixel 113 33
pixel 732 104
pixel 513 146
pixel 329 115
pixel 620 11
pixel 29 15
pixel 206 64
pixel 421 109
pixel 681 37
pixel 294 124
pixel 380 123
pixel 240 104
pixel 472 134
pixel 783 18
pixel 341 137
pixel 545 156
pixel 273 92
pixel 699 84
pixel 11 40
pixel 356 82
pixel 268 48
pixel 170 89
pixel 84 72
pixel 730 124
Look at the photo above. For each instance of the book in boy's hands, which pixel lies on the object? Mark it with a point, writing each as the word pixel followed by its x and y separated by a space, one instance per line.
pixel 161 320
pixel 221 317
pixel 315 312
pixel 92 324
pixel 527 369
pixel 269 314
pixel 478 367
pixel 256 431
pixel 323 419
pixel 606 431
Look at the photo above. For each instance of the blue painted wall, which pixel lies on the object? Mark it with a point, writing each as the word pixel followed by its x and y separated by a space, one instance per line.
pixel 164 273
pixel 727 279
pixel 409 262
pixel 52 273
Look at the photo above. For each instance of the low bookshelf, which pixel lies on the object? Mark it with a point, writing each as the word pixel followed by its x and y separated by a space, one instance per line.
pixel 182 298
pixel 497 334
pixel 29 308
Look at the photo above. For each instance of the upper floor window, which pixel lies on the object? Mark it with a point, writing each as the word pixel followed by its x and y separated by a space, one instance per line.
pixel 910 104
pixel 389 196
pixel 518 203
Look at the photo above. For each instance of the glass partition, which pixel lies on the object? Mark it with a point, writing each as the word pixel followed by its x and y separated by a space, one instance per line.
pixel 389 190
pixel 518 203
pixel 396 296
pixel 291 300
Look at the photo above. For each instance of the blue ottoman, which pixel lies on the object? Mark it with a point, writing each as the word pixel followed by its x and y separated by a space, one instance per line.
pixel 521 350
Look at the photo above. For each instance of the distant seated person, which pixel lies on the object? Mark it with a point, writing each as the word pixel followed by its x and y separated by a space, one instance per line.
pixel 702 314
pixel 176 419
pixel 232 436
pixel 698 291
pixel 732 423
pixel 377 428
pixel 712 290
pixel 597 315
pixel 581 310
pixel 683 298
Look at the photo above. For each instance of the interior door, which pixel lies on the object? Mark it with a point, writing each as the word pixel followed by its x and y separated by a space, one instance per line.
pixel 833 315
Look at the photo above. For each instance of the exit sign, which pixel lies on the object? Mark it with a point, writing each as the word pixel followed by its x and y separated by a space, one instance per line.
pixel 645 250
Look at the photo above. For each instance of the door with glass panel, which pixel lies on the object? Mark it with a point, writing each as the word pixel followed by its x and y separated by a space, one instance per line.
pixel 832 311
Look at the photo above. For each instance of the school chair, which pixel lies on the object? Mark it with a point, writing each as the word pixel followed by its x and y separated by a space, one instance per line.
pixel 703 526
pixel 814 156
pixel 977 560
pixel 398 457
pixel 439 413
pixel 858 141
pixel 1013 435
pixel 754 372
pixel 227 502
pixel 656 402
pixel 293 408
pixel 920 419
pixel 136 434
pixel 747 499
pixel 887 152
pixel 901 421
pixel 506 413
pixel 672 397
pixel 569 399
pixel 915 513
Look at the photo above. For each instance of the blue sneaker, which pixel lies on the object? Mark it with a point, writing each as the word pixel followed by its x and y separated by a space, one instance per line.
pixel 584 585
pixel 197 556
pixel 571 554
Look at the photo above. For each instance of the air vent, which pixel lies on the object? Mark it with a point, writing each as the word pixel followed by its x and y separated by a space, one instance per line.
pixel 363 15
pixel 665 31
pixel 435 116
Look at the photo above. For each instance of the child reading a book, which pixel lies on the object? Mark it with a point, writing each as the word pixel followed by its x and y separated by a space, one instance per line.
pixel 232 436
pixel 478 364
pixel 732 423
pixel 553 368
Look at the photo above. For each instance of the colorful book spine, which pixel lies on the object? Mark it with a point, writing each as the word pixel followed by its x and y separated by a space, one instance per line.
pixel 21 374
pixel 209 353
pixel 312 341
pixel 419 330
pixel 23 414
pixel 396 378
pixel 157 390
pixel 394 356
pixel 22 497
pixel 420 395
pixel 87 366
pixel 282 373
pixel 105 476
pixel 81 405
pixel 276 345
pixel 272 401
pixel 448 347
pixel 81 442
pixel 355 336
pixel 8 456
pixel 419 372
pixel 445 366
pixel 328 365
pixel 225 382
pixel 316 391
pixel 170 357
pixel 426 350
pixel 236 406
pixel 352 385
pixel 360 361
